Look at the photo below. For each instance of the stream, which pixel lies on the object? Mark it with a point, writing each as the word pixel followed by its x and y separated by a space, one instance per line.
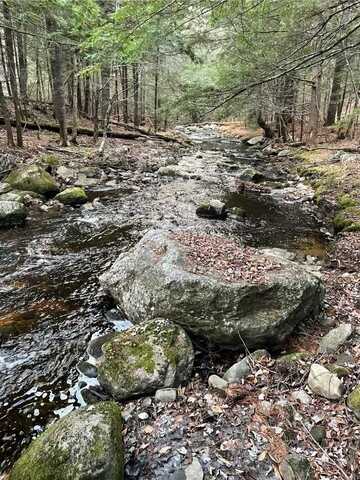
pixel 51 304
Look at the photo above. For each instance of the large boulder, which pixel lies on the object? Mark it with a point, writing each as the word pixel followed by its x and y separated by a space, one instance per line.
pixel 72 196
pixel 152 355
pixel 85 444
pixel 34 179
pixel 11 213
pixel 214 288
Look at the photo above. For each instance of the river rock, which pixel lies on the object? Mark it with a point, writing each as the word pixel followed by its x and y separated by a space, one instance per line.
pixel 217 382
pixel 144 358
pixel 213 209
pixel 238 371
pixel 154 280
pixel 335 338
pixel 11 214
pixel 165 395
pixel 34 179
pixel 85 444
pixel 353 401
pixel 296 467
pixel 256 140
pixel 72 196
pixel 194 471
pixel 324 383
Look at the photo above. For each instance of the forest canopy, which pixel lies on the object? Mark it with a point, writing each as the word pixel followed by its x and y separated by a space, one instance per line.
pixel 288 66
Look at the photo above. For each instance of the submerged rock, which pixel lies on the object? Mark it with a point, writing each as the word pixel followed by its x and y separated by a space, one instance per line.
pixel 85 444
pixel 254 299
pixel 34 179
pixel 72 196
pixel 11 213
pixel 324 383
pixel 144 358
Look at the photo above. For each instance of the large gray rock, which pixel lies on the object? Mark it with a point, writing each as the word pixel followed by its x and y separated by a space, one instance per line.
pixel 324 383
pixel 85 444
pixel 149 356
pixel 11 214
pixel 155 280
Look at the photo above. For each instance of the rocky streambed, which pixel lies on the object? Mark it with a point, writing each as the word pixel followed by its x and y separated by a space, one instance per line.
pixel 53 313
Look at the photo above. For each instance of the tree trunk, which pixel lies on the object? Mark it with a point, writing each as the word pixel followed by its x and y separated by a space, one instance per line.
pixel 10 54
pixel 105 92
pixel 156 93
pixel 23 71
pixel 335 96
pixel 87 95
pixel 262 124
pixel 57 63
pixel 125 93
pixel 75 100
pixel 6 114
pixel 136 94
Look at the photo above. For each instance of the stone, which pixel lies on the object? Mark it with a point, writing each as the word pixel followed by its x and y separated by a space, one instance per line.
pixel 318 432
pixel 335 338
pixel 72 196
pixel 143 416
pixel 324 383
pixel 12 214
pixel 87 369
pixel 238 371
pixel 284 153
pixel 339 370
pixel 152 280
pixel 296 467
pixel 353 401
pixel 34 179
pixel 165 395
pixel 4 187
pixel 66 173
pixel 214 209
pixel 256 140
pixel 250 174
pixel 301 396
pixel 87 443
pixel 269 150
pixel 144 358
pixel 194 471
pixel 169 171
pixel 217 383
pixel 21 196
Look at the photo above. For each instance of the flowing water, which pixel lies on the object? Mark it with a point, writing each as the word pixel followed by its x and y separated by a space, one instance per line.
pixel 50 301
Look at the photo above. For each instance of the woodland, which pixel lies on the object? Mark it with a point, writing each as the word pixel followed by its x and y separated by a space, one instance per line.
pixel 289 67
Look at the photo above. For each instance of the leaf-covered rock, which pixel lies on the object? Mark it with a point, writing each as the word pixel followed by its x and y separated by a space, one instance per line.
pixel 215 289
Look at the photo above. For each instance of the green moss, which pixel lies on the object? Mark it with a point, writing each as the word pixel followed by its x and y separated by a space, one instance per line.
pixel 348 220
pixel 346 201
pixel 34 179
pixel 72 196
pixel 65 451
pixel 353 400
pixel 291 358
pixel 339 370
pixel 50 159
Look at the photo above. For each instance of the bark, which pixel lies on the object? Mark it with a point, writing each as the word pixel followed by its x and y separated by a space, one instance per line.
pixel 156 93
pixel 335 96
pixel 87 95
pixel 10 54
pixel 105 92
pixel 265 126
pixel 23 68
pixel 6 115
pixel 3 61
pixel 136 94
pixel 57 66
pixel 75 105
pixel 125 93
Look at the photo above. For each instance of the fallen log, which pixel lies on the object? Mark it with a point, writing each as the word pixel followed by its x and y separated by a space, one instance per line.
pixel 50 127
pixel 144 131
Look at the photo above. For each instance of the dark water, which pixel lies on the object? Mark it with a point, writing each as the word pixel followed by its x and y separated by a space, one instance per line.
pixel 50 302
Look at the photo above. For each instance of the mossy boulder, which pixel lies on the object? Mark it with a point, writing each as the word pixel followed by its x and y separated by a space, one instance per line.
pixel 353 401
pixel 72 196
pixel 85 444
pixel 34 179
pixel 152 355
pixel 11 214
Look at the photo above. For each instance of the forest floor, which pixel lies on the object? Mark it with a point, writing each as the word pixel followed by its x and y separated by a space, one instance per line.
pixel 272 412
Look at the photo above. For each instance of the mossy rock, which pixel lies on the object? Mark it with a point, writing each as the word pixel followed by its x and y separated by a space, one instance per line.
pixel 339 370
pixel 50 159
pixel 346 201
pixel 85 444
pixel 72 196
pixel 34 179
pixel 348 220
pixel 353 401
pixel 11 214
pixel 292 358
pixel 152 355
